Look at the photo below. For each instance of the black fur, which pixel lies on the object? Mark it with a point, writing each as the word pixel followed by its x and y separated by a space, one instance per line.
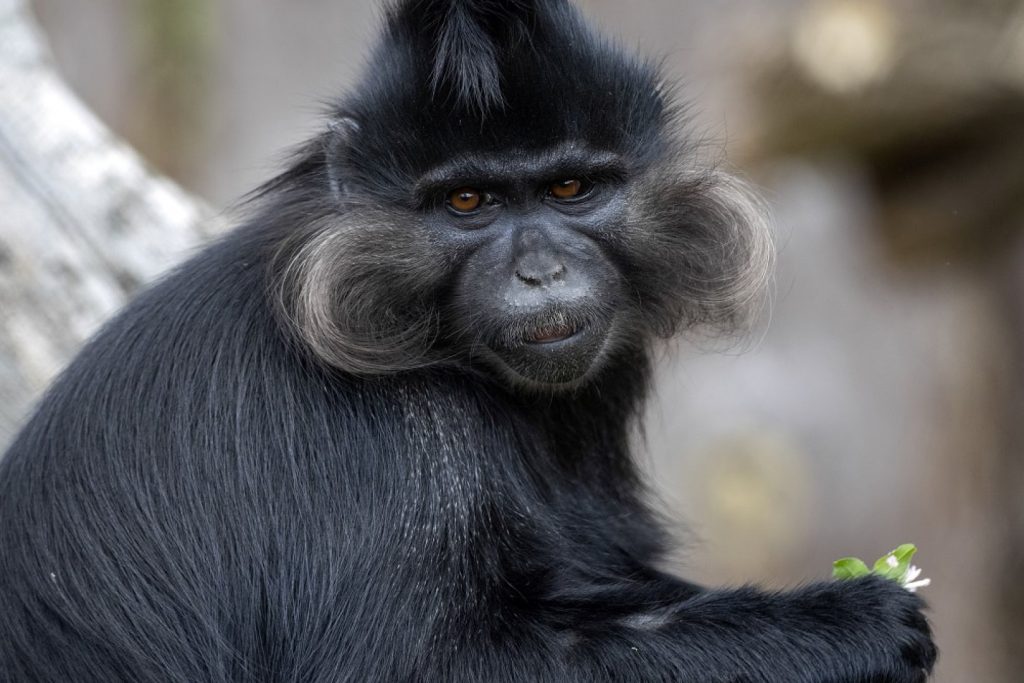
pixel 298 458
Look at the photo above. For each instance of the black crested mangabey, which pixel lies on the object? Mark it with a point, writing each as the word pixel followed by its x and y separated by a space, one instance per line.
pixel 379 432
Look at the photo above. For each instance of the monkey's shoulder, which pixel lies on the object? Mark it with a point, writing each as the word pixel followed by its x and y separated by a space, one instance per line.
pixel 200 361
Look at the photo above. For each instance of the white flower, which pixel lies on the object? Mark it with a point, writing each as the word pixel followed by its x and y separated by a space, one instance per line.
pixel 909 581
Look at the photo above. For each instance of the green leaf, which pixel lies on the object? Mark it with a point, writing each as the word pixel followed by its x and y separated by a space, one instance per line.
pixel 905 552
pixel 849 568
pixel 897 569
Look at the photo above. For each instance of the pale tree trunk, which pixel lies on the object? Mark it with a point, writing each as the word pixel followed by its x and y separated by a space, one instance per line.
pixel 83 222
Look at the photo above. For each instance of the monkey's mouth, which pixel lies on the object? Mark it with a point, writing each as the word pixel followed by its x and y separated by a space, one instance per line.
pixel 553 350
pixel 550 334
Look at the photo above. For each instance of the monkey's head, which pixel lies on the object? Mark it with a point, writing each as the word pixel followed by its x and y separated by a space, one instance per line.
pixel 504 188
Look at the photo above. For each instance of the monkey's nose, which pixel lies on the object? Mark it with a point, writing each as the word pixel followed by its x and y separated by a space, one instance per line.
pixel 540 271
pixel 538 261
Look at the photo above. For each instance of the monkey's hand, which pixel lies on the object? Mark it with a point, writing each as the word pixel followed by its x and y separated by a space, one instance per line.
pixel 879 629
pixel 867 630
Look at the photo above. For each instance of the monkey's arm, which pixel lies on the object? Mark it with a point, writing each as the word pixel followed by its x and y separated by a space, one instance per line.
pixel 862 631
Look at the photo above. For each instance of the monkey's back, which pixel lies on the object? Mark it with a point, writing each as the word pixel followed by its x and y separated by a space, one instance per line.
pixel 190 500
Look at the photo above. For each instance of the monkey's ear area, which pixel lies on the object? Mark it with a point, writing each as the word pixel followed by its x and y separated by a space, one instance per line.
pixel 339 135
pixel 705 252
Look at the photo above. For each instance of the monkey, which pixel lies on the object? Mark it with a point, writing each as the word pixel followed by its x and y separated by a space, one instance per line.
pixel 381 430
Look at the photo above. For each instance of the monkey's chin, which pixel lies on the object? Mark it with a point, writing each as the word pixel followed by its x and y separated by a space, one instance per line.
pixel 552 362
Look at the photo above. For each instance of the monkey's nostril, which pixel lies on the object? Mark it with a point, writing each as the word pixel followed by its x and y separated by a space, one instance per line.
pixel 537 278
pixel 528 278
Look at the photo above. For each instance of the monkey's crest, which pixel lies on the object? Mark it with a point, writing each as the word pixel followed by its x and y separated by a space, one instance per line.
pixel 468 39
pixel 489 76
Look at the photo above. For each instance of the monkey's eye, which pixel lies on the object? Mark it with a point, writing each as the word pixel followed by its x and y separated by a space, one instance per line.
pixel 568 189
pixel 465 200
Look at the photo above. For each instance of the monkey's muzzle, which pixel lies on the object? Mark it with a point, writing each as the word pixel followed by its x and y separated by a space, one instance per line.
pixel 558 348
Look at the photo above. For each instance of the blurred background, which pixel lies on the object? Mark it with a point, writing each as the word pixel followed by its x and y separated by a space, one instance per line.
pixel 881 398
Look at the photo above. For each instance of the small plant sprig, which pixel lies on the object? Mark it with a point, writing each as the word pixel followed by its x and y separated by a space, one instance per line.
pixel 894 565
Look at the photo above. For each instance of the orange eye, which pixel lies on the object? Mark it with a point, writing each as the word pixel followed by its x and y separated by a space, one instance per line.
pixel 566 189
pixel 465 200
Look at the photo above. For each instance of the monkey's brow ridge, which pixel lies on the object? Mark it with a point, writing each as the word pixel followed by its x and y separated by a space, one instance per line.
pixel 496 167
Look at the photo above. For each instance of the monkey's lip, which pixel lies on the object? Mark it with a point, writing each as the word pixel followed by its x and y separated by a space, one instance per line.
pixel 551 334
pixel 552 351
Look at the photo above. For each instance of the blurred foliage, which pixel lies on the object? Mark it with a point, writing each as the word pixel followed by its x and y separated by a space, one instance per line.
pixel 757 500
pixel 929 97
pixel 173 41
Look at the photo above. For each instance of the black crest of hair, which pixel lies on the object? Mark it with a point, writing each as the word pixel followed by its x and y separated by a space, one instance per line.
pixel 382 430
pixel 466 40
pixel 486 76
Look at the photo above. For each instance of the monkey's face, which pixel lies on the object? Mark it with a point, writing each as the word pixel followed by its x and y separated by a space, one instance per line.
pixel 539 265
pixel 536 295
pixel 514 199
